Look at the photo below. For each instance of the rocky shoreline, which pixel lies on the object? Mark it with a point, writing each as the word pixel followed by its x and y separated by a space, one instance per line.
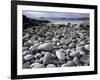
pixel 56 45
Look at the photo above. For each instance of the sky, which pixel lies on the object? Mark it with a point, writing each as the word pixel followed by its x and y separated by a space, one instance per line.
pixel 34 14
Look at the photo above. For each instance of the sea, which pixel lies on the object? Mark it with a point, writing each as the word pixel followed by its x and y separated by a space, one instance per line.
pixel 67 21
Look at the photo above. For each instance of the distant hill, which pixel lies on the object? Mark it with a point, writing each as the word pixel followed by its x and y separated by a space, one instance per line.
pixel 28 22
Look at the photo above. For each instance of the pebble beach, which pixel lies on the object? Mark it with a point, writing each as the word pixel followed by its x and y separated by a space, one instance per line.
pixel 52 45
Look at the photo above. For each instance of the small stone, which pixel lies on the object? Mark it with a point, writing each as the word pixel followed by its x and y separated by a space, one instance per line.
pixel 85 59
pixel 80 48
pixel 68 58
pixel 85 64
pixel 28 57
pixel 74 40
pixel 33 49
pixel 28 43
pixel 41 60
pixel 55 40
pixel 76 60
pixel 68 51
pixel 48 34
pixel 58 43
pixel 25 48
pixel 60 54
pixel 72 45
pixel 39 66
pixel 32 65
pixel 87 47
pixel 38 55
pixel 67 41
pixel 82 43
pixel 82 53
pixel 37 61
pixel 46 47
pixel 41 39
pixel 25 52
pixel 53 56
pixel 62 41
pixel 25 38
pixel 74 53
pixel 65 46
pixel 55 61
pixel 79 64
pixel 68 64
pixel 26 65
pixel 47 58
pixel 51 66
pixel 32 61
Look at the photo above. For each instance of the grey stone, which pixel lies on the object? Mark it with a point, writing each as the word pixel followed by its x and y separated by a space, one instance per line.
pixel 46 47
pixel 74 53
pixel 82 53
pixel 25 52
pixel 86 64
pixel 68 64
pixel 33 49
pixel 80 48
pixel 72 45
pixel 87 47
pixel 68 58
pixel 51 66
pixel 55 40
pixel 82 43
pixel 25 48
pixel 26 65
pixel 32 65
pixel 67 41
pixel 76 60
pixel 47 58
pixel 28 43
pixel 28 57
pixel 38 55
pixel 41 39
pixel 60 54
pixel 39 66
pixel 85 59
pixel 53 56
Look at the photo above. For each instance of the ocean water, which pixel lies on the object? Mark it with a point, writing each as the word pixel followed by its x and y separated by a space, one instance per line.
pixel 68 21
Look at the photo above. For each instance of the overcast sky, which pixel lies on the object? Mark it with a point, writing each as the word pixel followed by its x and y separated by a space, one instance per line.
pixel 32 14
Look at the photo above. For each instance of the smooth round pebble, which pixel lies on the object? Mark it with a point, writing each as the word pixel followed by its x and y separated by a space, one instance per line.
pixel 33 64
pixel 55 40
pixel 28 57
pixel 87 47
pixel 74 53
pixel 51 66
pixel 76 60
pixel 26 65
pixel 68 64
pixel 28 43
pixel 25 52
pixel 39 66
pixel 46 47
pixel 82 53
pixel 71 45
pixel 60 54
